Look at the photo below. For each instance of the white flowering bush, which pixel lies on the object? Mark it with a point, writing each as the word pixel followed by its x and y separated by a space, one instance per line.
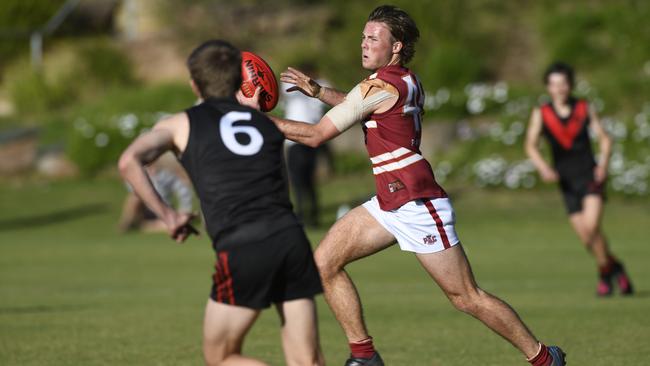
pixel 489 150
pixel 96 144
pixel 100 133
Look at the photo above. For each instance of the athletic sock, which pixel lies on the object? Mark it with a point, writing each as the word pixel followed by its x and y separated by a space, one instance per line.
pixel 605 270
pixel 362 349
pixel 612 265
pixel 543 358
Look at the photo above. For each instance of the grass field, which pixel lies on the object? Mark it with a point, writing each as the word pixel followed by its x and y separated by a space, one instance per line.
pixel 73 292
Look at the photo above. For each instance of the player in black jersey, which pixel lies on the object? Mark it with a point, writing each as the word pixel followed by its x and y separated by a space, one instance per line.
pixel 565 122
pixel 233 155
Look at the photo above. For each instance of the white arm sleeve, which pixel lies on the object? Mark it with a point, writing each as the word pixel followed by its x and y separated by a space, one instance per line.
pixel 355 107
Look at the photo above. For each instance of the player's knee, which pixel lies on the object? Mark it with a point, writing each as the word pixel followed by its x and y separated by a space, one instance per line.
pixel 591 232
pixel 327 267
pixel 213 357
pixel 588 232
pixel 467 301
pixel 216 349
pixel 463 303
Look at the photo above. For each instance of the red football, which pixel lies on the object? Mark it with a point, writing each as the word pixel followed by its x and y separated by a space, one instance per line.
pixel 256 72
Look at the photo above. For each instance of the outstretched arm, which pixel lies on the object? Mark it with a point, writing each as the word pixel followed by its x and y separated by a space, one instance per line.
pixel 144 150
pixel 547 173
pixel 310 87
pixel 366 98
pixel 306 133
pixel 604 144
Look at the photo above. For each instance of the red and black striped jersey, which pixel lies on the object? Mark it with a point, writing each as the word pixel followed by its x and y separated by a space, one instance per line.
pixel 569 138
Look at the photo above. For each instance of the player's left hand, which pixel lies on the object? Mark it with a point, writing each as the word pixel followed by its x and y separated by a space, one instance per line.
pixel 253 102
pixel 600 173
pixel 301 82
pixel 180 227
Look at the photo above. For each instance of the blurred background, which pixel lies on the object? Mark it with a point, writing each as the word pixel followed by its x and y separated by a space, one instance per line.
pixel 79 79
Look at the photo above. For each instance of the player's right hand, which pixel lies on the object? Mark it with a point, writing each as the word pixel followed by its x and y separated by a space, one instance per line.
pixel 253 102
pixel 549 175
pixel 180 227
pixel 301 82
pixel 600 173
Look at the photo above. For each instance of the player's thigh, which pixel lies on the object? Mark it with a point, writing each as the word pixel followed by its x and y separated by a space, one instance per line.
pixel 299 331
pixel 224 328
pixel 354 236
pixel 592 210
pixel 451 270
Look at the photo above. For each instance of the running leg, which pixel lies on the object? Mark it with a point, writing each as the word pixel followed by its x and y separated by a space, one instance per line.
pixel 224 329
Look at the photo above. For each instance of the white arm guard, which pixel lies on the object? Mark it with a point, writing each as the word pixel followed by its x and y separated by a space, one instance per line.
pixel 357 104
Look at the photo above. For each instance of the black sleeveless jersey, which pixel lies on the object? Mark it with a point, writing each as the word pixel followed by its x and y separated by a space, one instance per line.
pixel 234 157
pixel 569 139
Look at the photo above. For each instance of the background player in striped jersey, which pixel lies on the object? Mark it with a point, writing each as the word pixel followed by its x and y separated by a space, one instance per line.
pixel 565 122
pixel 410 207
pixel 263 255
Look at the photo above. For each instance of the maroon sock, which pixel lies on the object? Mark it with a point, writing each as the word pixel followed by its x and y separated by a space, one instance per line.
pixel 609 267
pixel 543 358
pixel 613 261
pixel 362 349
pixel 605 270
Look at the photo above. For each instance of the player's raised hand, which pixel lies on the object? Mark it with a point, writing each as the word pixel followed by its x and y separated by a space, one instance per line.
pixel 180 227
pixel 301 82
pixel 253 102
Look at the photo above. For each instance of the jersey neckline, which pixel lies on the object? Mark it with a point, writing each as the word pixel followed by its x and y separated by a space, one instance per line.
pixel 572 102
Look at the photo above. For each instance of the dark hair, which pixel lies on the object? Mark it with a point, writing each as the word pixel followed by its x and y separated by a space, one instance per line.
pixel 215 67
pixel 402 28
pixel 560 68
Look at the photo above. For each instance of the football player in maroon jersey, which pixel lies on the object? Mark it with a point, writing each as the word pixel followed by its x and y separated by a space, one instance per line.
pixel 410 207
pixel 565 122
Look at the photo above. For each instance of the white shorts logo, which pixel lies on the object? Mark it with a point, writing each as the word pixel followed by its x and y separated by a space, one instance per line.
pixel 429 239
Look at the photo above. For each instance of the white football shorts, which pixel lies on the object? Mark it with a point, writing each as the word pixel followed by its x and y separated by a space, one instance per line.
pixel 420 226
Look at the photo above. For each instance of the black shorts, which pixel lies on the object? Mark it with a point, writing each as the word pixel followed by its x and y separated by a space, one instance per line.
pixel 575 189
pixel 255 273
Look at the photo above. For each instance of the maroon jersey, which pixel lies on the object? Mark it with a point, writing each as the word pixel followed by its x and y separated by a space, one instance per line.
pixel 393 142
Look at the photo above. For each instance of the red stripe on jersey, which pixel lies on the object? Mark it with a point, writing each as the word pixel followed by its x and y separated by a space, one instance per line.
pixel 436 218
pixel 228 281
pixel 407 155
pixel 565 134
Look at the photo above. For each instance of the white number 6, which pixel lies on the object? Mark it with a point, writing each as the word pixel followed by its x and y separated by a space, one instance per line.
pixel 228 132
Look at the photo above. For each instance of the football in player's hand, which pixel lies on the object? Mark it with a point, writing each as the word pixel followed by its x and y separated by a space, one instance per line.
pixel 255 73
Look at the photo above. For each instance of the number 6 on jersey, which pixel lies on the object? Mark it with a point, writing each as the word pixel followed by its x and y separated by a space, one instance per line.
pixel 228 130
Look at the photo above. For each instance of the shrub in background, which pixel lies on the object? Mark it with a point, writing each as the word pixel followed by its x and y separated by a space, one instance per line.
pixel 100 131
pixel 72 73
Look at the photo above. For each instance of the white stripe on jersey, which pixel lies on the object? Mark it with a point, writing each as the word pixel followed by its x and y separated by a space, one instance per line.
pixel 397 165
pixel 389 155
pixel 371 124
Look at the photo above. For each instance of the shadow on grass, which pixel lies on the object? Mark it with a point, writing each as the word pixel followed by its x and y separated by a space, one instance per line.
pixel 37 309
pixel 55 217
pixel 639 294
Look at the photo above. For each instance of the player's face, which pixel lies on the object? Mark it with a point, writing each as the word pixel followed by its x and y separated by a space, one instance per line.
pixel 558 86
pixel 376 46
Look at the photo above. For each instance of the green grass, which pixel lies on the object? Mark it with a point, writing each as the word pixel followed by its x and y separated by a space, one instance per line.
pixel 73 292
